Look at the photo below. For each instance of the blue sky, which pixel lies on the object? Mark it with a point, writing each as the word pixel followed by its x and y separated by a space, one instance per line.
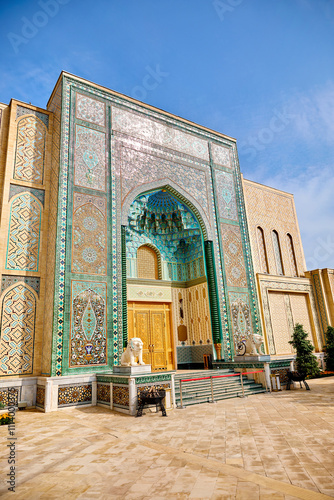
pixel 261 71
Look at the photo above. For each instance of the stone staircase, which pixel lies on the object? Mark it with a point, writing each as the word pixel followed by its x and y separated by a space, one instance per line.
pixel 199 391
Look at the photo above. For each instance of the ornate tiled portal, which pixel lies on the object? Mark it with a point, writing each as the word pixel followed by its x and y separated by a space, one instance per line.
pixel 106 196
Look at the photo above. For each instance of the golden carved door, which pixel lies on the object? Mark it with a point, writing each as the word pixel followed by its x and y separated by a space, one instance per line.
pixel 158 340
pixel 142 322
pixel 151 322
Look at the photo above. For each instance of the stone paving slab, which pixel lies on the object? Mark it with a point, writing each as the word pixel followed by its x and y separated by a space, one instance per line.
pixel 266 446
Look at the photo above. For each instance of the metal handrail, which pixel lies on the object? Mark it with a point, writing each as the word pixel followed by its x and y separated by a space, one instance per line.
pixel 211 377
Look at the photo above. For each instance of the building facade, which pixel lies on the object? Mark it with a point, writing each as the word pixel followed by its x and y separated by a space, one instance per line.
pixel 119 220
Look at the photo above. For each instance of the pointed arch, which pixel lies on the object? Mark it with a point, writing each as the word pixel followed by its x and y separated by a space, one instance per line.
pixel 292 255
pixel 277 253
pixel 24 232
pixel 262 250
pixel 30 150
pixel 149 262
pixel 17 330
pixel 179 193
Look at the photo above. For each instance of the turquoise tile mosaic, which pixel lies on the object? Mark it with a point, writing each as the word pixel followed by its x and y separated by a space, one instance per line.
pixel 125 152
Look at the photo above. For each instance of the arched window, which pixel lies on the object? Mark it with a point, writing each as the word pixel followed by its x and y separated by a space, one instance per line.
pixel 293 262
pixel 147 263
pixel 262 250
pixel 278 254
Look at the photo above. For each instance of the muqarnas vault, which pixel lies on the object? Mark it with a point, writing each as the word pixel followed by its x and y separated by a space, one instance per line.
pixel 119 220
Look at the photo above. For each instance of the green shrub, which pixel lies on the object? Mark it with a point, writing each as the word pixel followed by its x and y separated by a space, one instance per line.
pixel 329 349
pixel 306 362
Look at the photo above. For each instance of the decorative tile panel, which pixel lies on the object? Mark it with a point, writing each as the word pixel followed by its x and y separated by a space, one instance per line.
pixel 90 110
pixel 243 223
pixel 233 256
pixel 40 396
pixel 221 155
pixel 14 189
pixel 103 393
pixel 89 230
pixel 282 373
pixel 80 199
pixel 10 396
pixel 192 353
pixel 8 279
pixel 49 320
pixel 22 110
pixel 90 158
pixel 156 132
pixel 88 342
pixel 144 293
pixel 139 168
pixel 240 315
pixel 23 237
pixel 17 331
pixel 150 379
pixel 120 395
pixel 116 271
pixel 30 150
pixel 226 195
pixel 70 395
pixel 60 236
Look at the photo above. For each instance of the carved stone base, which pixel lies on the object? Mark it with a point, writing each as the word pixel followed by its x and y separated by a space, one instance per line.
pixel 249 359
pixel 132 370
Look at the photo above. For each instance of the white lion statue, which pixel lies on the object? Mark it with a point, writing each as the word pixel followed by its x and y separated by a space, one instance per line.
pixel 253 345
pixel 134 350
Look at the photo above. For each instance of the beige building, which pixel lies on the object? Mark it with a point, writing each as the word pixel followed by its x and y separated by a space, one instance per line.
pixel 121 220
pixel 288 294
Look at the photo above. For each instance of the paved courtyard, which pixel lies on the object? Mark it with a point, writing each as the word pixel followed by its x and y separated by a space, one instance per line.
pixel 268 446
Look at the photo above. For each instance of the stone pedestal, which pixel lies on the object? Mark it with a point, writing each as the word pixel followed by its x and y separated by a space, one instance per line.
pixel 119 390
pixel 264 358
pixel 132 370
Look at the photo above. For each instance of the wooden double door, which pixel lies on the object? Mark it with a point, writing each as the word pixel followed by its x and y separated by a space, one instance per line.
pixel 151 321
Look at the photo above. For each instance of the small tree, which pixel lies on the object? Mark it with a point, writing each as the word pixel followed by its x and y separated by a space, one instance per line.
pixel 329 348
pixel 306 361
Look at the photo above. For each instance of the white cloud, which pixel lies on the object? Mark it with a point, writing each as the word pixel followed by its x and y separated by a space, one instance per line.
pixel 300 160
pixel 314 114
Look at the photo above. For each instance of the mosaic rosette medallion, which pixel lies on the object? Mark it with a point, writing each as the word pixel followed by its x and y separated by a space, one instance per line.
pixel 89 241
pixel 88 343
pixel 90 158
